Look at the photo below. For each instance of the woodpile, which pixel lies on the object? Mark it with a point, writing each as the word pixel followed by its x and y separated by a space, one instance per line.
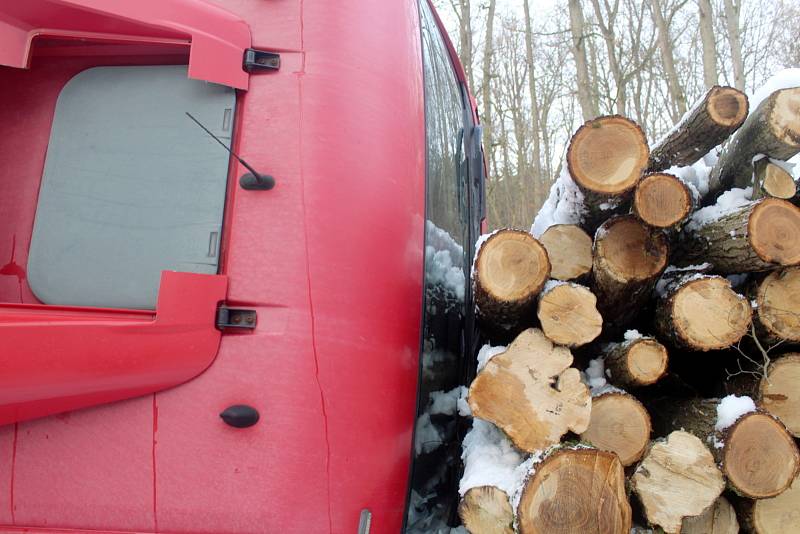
pixel 691 426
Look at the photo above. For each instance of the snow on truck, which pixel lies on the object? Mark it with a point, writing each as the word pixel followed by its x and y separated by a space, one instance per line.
pixel 262 336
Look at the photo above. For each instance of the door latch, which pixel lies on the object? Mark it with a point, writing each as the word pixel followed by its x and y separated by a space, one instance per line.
pixel 236 318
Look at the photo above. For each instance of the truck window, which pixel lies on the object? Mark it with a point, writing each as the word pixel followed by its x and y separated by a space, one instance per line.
pixel 447 295
pixel 131 186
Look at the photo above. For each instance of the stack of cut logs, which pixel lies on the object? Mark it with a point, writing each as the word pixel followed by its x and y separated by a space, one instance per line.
pixel 714 289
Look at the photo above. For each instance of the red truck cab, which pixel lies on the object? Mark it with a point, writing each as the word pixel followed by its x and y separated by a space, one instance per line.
pixel 150 283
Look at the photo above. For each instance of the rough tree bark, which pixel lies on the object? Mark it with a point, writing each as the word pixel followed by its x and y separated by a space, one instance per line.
pixel 636 363
pixel 712 119
pixel 773 130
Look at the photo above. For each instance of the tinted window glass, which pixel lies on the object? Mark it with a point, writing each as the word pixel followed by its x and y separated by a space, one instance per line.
pixel 447 258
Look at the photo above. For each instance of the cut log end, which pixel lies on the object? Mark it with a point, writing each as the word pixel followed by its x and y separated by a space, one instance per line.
pixel 568 315
pixel 706 314
pixel 486 510
pixel 619 424
pixel 531 392
pixel 607 155
pixel 727 106
pixel 646 361
pixel 662 200
pixel 772 180
pixel 780 391
pixel 778 304
pixel 629 251
pixel 720 518
pixel 760 458
pixel 512 266
pixel 570 251
pixel 676 479
pixel 779 515
pixel 785 116
pixel 576 490
pixel 774 231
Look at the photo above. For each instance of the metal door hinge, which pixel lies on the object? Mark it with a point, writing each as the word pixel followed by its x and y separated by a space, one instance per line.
pixel 238 318
pixel 258 60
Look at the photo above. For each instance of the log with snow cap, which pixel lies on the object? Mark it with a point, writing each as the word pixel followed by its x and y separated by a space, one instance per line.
pixel 712 119
pixel 738 235
pixel 510 269
pixel 759 458
pixel 772 129
pixel 700 312
pixel 606 159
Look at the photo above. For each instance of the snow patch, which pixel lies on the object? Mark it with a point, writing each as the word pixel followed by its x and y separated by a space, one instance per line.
pixel 446 402
pixel 631 335
pixel 489 459
pixel 486 353
pixel 564 205
pixel 732 408
pixel 595 377
pixel 552 284
pixel 783 79
pixel 728 202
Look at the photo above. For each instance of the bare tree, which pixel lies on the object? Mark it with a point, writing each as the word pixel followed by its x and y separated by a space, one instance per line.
pixel 732 9
pixel 587 103
pixel 534 99
pixel 486 72
pixel 606 23
pixel 709 43
pixel 665 45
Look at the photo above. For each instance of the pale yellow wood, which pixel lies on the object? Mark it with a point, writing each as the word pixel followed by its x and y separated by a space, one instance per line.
pixel 778 304
pixel 720 518
pixel 780 391
pixel 569 249
pixel 779 515
pixel 531 392
pixel 676 479
pixel 620 424
pixel 486 510
pixel 568 315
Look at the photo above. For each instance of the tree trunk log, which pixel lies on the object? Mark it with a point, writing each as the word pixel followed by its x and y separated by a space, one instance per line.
pixel 773 129
pixel 511 267
pixel 677 478
pixel 779 515
pixel 568 314
pixel 575 490
pixel 779 391
pixel 759 236
pixel 486 510
pixel 777 306
pixel 570 251
pixel 711 120
pixel 619 424
pixel 628 258
pixel 702 313
pixel 636 363
pixel 662 201
pixel 719 518
pixel 759 457
pixel 771 180
pixel 531 392
pixel 606 158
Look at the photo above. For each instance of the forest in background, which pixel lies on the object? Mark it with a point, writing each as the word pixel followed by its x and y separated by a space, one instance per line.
pixel 539 71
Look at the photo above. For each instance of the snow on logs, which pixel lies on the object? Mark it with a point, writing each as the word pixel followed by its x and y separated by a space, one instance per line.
pixel 575 489
pixel 511 268
pixel 700 312
pixel 619 424
pixel 758 236
pixel 677 478
pixel 606 158
pixel 531 392
pixel 628 258
pixel 636 362
pixel 773 130
pixel 711 120
pixel 759 457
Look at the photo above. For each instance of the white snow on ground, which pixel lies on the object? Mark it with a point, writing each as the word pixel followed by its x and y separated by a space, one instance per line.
pixel 595 377
pixel 783 79
pixel 732 408
pixel 728 202
pixel 486 353
pixel 564 205
pixel 489 459
pixel 695 176
pixel 631 335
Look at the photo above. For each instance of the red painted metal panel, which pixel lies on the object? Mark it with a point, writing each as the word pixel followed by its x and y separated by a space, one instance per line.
pixel 216 37
pixel 277 26
pixel 7 445
pixel 110 447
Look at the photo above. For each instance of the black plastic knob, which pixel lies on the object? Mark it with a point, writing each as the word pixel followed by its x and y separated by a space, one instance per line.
pixel 240 416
